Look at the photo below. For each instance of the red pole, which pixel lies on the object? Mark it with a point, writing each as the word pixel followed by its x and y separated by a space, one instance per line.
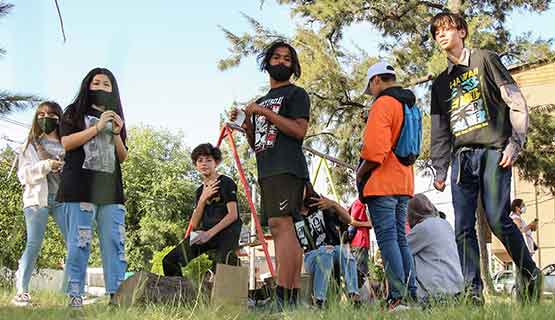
pixel 251 203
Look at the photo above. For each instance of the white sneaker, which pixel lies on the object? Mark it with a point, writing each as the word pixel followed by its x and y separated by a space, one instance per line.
pixel 76 302
pixel 397 306
pixel 22 299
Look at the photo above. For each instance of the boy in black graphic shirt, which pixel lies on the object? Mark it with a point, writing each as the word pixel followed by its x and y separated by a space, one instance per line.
pixel 479 125
pixel 215 216
pixel 276 125
pixel 319 226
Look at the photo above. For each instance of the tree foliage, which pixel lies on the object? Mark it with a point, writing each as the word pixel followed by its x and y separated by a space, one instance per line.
pixel 333 74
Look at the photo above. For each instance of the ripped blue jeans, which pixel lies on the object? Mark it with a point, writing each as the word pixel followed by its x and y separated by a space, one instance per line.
pixel 320 263
pixel 110 223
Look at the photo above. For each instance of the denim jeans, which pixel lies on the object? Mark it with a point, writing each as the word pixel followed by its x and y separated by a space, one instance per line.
pixel 110 223
pixel 389 216
pixel 320 263
pixel 477 172
pixel 36 219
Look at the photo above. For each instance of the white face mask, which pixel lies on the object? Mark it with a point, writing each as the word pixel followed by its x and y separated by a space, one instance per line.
pixel 523 210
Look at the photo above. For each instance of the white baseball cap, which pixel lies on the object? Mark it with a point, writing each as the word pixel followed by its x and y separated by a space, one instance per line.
pixel 381 67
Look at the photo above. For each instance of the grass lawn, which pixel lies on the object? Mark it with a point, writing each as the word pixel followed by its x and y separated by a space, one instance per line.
pixel 49 305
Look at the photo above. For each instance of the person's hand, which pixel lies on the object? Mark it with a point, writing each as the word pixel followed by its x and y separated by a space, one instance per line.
pixel 117 124
pixel 533 225
pixel 202 237
pixel 105 117
pixel 210 189
pixel 439 185
pixel 322 203
pixel 254 108
pixel 55 165
pixel 232 114
pixel 510 154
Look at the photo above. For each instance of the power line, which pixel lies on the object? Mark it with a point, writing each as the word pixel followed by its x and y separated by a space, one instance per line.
pixel 17 123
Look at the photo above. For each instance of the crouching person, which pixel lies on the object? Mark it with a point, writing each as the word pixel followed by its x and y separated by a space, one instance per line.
pixel 436 260
pixel 215 217
pixel 318 230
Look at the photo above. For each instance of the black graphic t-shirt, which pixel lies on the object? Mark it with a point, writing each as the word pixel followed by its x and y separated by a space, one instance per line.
pixel 216 207
pixel 84 185
pixel 276 152
pixel 318 228
pixel 471 100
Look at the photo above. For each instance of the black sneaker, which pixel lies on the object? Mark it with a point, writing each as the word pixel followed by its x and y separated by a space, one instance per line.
pixel 529 289
pixel 76 302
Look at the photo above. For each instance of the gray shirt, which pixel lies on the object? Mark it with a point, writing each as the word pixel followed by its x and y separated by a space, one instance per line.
pixel 436 260
pixel 56 149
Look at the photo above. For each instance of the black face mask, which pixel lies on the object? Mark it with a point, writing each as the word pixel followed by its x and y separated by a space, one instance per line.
pixel 103 98
pixel 279 72
pixel 47 125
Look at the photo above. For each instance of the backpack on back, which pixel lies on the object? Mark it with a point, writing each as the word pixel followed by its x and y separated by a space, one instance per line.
pixel 407 148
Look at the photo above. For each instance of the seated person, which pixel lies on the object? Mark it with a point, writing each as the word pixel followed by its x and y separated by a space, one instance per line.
pixel 436 259
pixel 215 211
pixel 318 228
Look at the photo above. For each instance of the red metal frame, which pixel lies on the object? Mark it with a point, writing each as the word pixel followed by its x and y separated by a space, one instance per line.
pixel 227 131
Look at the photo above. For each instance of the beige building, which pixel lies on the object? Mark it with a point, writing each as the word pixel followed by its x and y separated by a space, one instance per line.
pixel 537 81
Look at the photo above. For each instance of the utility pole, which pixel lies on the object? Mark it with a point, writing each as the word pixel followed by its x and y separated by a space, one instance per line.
pixel 538 228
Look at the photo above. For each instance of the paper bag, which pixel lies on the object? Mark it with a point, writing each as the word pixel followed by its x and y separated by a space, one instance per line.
pixel 231 285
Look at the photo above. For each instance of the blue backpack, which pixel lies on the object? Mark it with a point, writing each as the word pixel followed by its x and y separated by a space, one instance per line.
pixel 407 148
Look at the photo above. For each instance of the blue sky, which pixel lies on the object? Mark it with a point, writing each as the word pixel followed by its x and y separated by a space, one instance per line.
pixel 164 55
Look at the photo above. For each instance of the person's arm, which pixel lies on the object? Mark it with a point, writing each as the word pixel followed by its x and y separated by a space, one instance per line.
pixel 441 141
pixel 376 143
pixel 121 150
pixel 513 97
pixel 324 203
pixel 230 217
pixel 77 139
pixel 518 116
pixel 249 131
pixel 295 128
pixel 30 172
pixel 361 224
pixel 207 191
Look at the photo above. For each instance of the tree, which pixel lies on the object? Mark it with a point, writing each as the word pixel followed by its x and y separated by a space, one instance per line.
pixel 9 101
pixel 159 182
pixel 333 75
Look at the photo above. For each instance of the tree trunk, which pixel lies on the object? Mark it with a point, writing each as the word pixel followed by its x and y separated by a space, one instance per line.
pixel 145 287
pixel 484 233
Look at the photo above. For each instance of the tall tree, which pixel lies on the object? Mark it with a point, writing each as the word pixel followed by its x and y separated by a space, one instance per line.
pixel 333 75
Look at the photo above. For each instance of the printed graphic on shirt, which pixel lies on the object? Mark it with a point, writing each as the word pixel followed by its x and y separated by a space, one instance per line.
pixel 266 132
pixel 317 229
pixel 468 110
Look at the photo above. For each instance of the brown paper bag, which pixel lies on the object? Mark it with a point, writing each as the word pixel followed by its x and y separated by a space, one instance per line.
pixel 231 285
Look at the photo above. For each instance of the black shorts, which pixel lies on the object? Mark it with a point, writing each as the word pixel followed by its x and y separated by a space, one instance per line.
pixel 282 195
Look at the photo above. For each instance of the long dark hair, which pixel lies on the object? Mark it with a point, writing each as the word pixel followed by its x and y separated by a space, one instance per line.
pixel 265 56
pixel 75 112
pixel 36 132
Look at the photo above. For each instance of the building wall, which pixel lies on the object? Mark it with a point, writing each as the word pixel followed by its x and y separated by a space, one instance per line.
pixel 538 86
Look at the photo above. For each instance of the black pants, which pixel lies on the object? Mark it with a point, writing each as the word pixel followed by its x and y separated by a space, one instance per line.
pixel 224 244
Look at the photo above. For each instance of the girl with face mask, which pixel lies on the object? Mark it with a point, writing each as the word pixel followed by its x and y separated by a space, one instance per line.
pixel 93 135
pixel 518 208
pixel 40 163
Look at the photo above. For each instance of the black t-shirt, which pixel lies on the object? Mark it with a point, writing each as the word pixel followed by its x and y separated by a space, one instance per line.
pixel 84 185
pixel 318 228
pixel 276 152
pixel 216 207
pixel 471 99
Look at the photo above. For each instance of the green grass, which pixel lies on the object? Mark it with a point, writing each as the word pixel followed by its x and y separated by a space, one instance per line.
pixel 51 305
